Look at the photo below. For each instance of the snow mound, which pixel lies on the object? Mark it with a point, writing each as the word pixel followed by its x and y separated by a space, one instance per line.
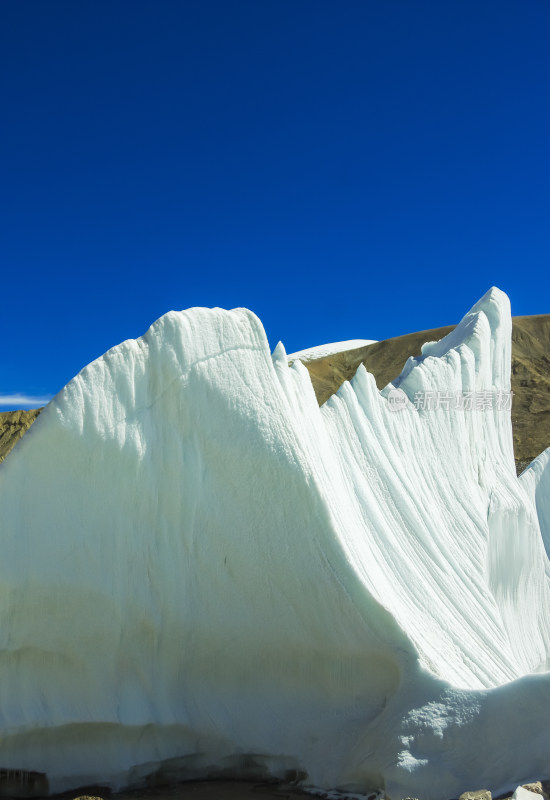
pixel 322 350
pixel 204 573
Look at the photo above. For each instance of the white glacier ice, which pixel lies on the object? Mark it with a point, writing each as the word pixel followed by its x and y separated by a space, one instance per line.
pixel 205 573
pixel 537 480
pixel 322 350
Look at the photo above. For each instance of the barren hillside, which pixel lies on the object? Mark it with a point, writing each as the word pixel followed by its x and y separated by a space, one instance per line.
pixel 13 424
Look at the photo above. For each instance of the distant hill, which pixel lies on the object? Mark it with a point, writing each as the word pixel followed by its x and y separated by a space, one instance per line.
pixel 13 424
pixel 385 359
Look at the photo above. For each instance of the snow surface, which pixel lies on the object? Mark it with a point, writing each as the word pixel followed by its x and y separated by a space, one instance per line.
pixel 205 573
pixel 322 350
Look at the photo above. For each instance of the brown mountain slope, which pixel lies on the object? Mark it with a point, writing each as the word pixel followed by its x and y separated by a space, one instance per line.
pixel 530 376
pixel 13 424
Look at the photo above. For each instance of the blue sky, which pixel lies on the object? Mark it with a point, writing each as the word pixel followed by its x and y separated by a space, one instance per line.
pixel 348 169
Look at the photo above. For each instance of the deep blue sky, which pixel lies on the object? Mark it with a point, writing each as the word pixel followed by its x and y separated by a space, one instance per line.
pixel 346 169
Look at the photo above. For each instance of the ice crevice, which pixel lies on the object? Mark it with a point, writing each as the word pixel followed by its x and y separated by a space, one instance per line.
pixel 205 573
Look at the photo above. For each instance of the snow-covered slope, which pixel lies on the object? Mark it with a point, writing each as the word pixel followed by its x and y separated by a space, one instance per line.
pixel 204 572
pixel 322 350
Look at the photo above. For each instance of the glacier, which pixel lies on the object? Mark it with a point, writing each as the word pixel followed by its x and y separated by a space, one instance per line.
pixel 205 574
pixel 322 350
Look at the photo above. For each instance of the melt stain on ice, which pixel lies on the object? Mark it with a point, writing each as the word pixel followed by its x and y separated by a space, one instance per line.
pixel 205 573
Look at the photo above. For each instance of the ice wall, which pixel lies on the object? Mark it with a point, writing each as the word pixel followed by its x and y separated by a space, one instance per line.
pixel 536 479
pixel 204 573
